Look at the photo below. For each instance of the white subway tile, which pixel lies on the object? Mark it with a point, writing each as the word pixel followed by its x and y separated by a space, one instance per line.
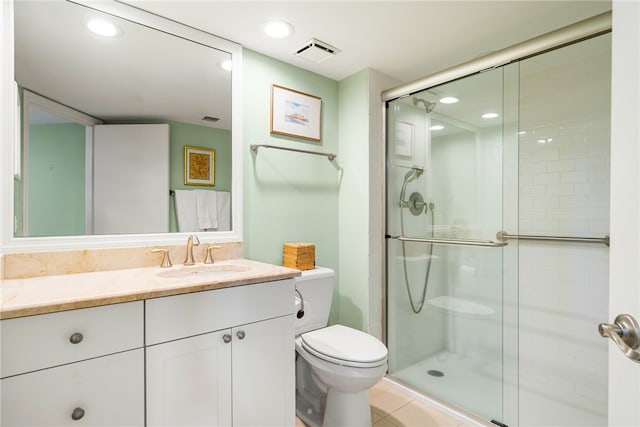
pixel 559 213
pixel 600 201
pixel 546 202
pixel 532 214
pixel 527 202
pixel 599 227
pixel 547 178
pixel 582 189
pixel 532 168
pixel 560 189
pixel 575 177
pixel 574 201
pixel 574 152
pixel 533 191
pixel 561 165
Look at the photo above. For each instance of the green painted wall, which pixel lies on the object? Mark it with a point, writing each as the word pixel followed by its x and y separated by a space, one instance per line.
pixel 288 197
pixel 184 134
pixel 353 229
pixel 56 179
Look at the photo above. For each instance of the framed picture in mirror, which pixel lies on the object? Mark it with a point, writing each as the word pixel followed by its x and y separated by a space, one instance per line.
pixel 199 166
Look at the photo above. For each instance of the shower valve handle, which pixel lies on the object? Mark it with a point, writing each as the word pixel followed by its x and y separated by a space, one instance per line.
pixel 625 332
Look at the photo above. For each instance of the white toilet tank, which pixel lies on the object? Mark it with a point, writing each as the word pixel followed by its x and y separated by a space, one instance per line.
pixel 316 288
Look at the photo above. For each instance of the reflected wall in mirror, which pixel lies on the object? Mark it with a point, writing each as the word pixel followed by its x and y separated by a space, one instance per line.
pixel 72 80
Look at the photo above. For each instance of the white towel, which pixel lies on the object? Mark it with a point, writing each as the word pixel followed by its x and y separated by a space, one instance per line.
pixel 206 209
pixel 224 211
pixel 186 210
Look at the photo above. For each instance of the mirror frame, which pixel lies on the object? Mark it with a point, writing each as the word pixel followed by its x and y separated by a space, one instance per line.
pixel 10 139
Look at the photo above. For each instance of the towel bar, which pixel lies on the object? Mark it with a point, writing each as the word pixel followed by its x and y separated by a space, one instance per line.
pixel 442 241
pixel 330 156
pixel 504 236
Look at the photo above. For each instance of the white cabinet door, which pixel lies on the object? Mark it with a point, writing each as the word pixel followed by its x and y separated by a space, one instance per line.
pixel 189 381
pixel 106 391
pixel 263 373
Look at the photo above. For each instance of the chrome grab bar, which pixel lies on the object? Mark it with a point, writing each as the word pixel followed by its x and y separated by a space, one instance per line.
pixel 504 236
pixel 450 241
pixel 330 156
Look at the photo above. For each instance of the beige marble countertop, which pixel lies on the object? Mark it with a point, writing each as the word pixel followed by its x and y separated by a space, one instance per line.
pixel 39 295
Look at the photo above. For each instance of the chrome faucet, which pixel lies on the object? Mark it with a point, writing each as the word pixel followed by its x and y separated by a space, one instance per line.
pixel 191 242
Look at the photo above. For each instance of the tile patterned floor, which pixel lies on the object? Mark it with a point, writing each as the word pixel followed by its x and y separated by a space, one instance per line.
pixel 391 407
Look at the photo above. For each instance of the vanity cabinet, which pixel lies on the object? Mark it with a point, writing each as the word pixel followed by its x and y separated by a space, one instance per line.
pixel 222 357
pixel 79 367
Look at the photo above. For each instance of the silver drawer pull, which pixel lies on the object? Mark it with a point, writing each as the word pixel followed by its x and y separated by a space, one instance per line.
pixel 226 338
pixel 240 334
pixel 77 414
pixel 76 338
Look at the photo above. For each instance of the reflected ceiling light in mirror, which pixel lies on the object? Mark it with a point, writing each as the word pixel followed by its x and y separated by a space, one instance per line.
pixel 278 29
pixel 103 28
pixel 449 100
pixel 490 115
pixel 226 65
pixel 436 127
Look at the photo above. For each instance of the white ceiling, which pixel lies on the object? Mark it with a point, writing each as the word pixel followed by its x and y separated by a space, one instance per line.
pixel 405 40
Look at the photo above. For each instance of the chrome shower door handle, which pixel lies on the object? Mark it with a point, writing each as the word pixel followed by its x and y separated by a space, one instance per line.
pixel 625 332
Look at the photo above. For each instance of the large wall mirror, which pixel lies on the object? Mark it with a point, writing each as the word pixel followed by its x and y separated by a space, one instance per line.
pixel 105 123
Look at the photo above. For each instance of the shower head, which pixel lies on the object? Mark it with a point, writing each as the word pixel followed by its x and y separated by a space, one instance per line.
pixel 412 175
pixel 428 106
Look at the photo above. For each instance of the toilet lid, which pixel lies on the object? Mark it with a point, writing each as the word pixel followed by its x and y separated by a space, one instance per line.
pixel 346 346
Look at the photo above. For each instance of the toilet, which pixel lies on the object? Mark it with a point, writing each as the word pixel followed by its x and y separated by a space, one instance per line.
pixel 335 365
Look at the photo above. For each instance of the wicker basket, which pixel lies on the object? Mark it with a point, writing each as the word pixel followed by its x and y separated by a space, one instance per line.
pixel 301 256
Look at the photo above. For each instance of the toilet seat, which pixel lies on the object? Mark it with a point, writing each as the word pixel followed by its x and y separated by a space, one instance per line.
pixel 345 346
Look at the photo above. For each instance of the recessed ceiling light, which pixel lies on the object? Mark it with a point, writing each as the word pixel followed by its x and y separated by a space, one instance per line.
pixel 103 28
pixel 490 115
pixel 226 65
pixel 436 127
pixel 278 29
pixel 449 100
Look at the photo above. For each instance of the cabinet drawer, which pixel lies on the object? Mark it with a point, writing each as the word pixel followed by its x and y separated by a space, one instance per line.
pixel 46 340
pixel 107 391
pixel 179 316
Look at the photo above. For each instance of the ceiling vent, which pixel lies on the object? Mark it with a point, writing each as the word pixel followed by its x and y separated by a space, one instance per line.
pixel 316 51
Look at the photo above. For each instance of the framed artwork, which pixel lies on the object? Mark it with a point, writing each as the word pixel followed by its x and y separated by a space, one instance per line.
pixel 295 113
pixel 404 139
pixel 199 166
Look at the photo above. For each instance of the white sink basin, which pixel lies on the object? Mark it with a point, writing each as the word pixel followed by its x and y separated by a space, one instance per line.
pixel 202 271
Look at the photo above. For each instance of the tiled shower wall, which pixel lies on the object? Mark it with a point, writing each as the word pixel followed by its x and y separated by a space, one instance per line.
pixel 564 165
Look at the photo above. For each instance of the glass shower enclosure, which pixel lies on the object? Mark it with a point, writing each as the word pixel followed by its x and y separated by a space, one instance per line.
pixel 497 328
pixel 450 189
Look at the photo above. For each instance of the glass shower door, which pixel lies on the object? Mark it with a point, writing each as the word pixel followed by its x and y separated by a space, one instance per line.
pixel 451 186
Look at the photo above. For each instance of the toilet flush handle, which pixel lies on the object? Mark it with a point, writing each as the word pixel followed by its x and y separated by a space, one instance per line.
pixel 300 313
